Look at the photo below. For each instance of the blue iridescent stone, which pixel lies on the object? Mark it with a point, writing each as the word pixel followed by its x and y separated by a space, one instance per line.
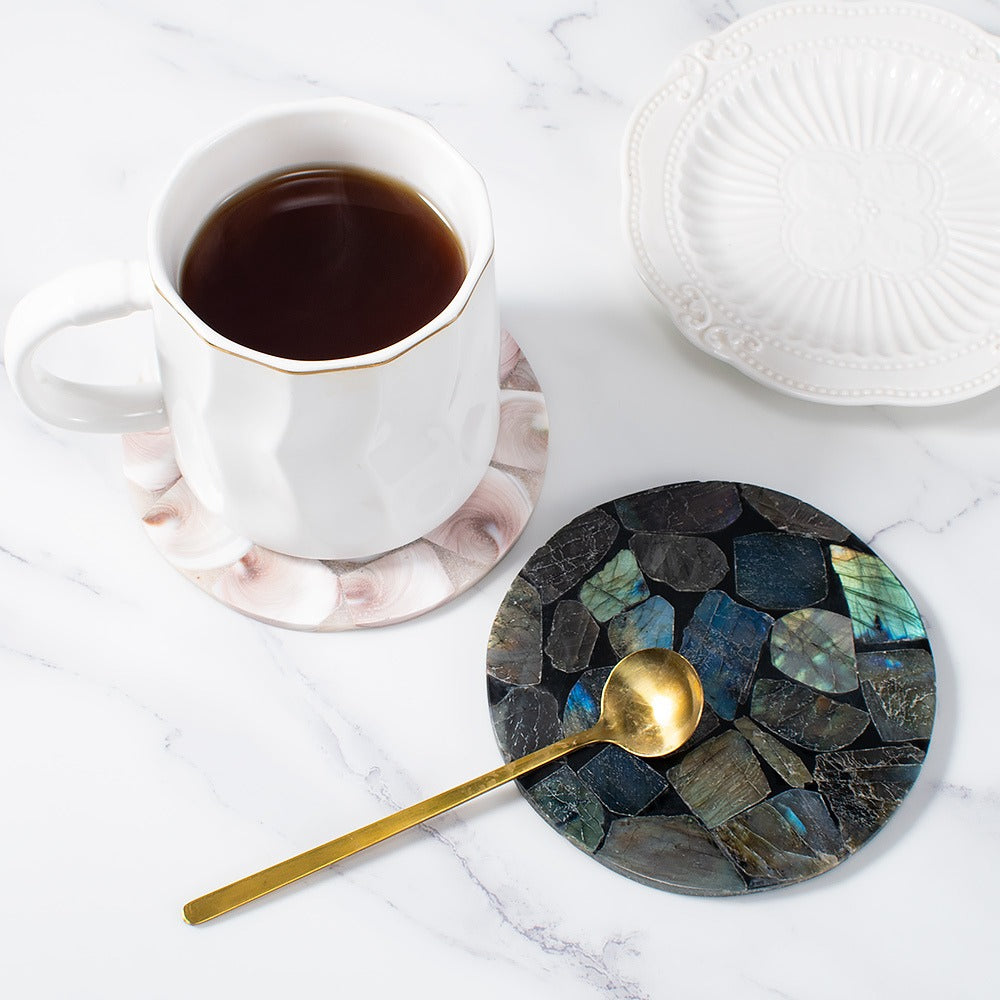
pixel 881 608
pixel 583 705
pixel 723 641
pixel 807 812
pixel 779 571
pixel 648 625
pixel 616 586
pixel 773 843
pixel 571 807
pixel 621 781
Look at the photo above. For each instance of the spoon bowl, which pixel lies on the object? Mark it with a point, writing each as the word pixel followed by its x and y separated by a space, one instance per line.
pixel 652 702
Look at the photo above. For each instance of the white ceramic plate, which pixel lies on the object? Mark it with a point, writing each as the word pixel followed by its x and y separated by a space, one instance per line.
pixel 814 194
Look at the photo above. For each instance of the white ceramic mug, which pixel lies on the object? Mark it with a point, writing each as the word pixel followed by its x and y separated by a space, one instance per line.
pixel 323 459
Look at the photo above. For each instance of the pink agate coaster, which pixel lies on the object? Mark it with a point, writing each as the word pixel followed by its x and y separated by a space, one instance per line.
pixel 317 595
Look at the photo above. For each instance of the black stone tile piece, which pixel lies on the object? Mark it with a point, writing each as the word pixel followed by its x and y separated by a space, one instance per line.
pixel 719 779
pixel 898 686
pixel 514 653
pixel 621 781
pixel 772 843
pixel 570 554
pixel 571 807
pixel 707 724
pixel 670 852
pixel 572 636
pixel 864 787
pixel 805 717
pixel 684 562
pixel 779 571
pixel 794 516
pixel 684 508
pixel 525 719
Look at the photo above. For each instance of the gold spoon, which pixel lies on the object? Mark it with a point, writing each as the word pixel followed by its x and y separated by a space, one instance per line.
pixel 651 705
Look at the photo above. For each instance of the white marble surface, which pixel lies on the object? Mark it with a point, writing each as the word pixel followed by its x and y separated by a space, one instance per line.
pixel 154 744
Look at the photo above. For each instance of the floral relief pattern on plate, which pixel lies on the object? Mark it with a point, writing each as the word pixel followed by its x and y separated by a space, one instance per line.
pixel 821 208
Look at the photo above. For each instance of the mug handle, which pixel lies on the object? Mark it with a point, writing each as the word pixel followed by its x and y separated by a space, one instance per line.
pixel 85 295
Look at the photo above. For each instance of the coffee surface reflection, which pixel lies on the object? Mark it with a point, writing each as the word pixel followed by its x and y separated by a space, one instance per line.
pixel 322 263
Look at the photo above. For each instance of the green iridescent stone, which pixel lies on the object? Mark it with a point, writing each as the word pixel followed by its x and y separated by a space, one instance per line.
pixel 804 717
pixel 571 807
pixel 719 779
pixel 646 626
pixel 618 585
pixel 816 647
pixel 786 763
pixel 898 686
pixel 881 609
pixel 514 653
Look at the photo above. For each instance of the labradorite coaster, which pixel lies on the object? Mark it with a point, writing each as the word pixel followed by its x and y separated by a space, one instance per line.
pixel 325 595
pixel 818 677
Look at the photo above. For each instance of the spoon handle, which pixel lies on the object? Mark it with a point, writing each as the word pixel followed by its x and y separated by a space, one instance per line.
pixel 259 884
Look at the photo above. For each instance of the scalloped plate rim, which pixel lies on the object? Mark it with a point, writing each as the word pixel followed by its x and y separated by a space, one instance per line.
pixel 858 394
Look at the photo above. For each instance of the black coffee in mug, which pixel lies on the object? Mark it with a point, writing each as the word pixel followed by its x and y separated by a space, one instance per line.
pixel 322 263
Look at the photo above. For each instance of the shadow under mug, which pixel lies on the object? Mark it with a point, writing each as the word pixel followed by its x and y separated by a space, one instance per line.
pixel 322 459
